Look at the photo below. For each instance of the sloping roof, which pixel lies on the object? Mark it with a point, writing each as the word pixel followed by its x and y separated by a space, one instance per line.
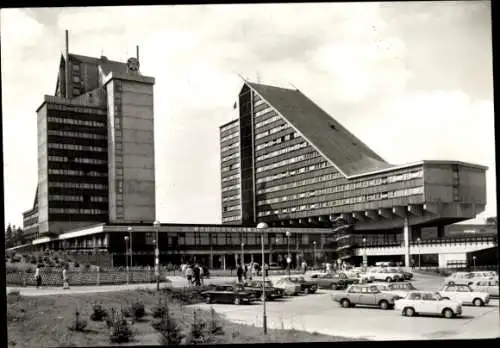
pixel 106 64
pixel 346 152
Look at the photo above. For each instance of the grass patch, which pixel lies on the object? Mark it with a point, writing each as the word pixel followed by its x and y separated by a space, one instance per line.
pixel 45 321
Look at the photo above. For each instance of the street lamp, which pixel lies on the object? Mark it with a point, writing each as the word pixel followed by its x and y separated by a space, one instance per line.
pixel 242 256
pixel 130 230
pixel 262 226
pixel 365 257
pixel 418 243
pixel 126 256
pixel 289 257
pixel 314 253
pixel 474 260
pixel 156 226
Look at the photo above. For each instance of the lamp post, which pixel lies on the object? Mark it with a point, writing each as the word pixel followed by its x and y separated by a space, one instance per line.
pixel 289 257
pixel 365 257
pixel 156 226
pixel 130 230
pixel 242 256
pixel 474 260
pixel 418 243
pixel 314 253
pixel 262 226
pixel 126 255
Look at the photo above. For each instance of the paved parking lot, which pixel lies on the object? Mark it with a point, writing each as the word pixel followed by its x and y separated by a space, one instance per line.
pixel 319 313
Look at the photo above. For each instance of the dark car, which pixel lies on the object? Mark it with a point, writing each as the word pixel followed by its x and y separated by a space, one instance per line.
pixel 256 286
pixel 308 287
pixel 232 293
pixel 406 275
pixel 330 281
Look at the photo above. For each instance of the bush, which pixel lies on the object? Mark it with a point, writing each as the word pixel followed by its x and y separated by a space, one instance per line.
pixel 160 310
pixel 76 264
pixel 199 333
pixel 98 313
pixel 78 324
pixel 171 332
pixel 138 310
pixel 215 325
pixel 120 329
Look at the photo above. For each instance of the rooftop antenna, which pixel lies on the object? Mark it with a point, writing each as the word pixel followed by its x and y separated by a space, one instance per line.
pixel 137 52
pixel 66 67
pixel 293 86
pixel 102 52
pixel 241 77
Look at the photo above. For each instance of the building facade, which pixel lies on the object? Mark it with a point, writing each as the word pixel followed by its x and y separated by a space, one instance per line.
pixel 95 148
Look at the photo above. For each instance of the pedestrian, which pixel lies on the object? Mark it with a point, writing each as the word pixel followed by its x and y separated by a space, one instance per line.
pixel 197 275
pixel 239 273
pixel 65 277
pixel 266 270
pixel 189 275
pixel 38 277
pixel 206 273
pixel 202 275
pixel 245 272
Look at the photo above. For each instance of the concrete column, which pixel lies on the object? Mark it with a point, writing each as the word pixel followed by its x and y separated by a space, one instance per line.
pixel 224 262
pixel 406 236
pixel 251 258
pixel 440 231
pixel 211 260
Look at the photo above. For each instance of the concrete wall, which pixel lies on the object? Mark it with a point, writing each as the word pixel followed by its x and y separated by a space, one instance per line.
pixel 472 187
pixel 131 151
pixel 438 180
pixel 43 208
pixel 455 257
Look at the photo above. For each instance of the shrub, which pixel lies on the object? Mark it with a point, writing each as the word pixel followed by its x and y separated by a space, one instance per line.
pixel 215 325
pixel 76 264
pixel 98 313
pixel 78 324
pixel 120 329
pixel 138 310
pixel 199 333
pixel 169 328
pixel 160 310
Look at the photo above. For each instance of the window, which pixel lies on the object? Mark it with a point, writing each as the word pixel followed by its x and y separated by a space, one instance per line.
pixel 429 297
pixel 76 67
pixel 416 296
pixel 76 78
pixel 355 289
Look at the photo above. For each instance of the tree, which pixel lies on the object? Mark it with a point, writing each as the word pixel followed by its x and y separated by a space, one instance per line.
pixel 9 237
pixel 19 236
pixel 492 220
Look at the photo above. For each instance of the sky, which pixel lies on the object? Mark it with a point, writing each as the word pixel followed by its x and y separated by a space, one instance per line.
pixel 413 80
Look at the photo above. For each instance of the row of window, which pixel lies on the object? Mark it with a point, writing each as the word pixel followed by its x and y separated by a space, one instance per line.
pixel 272 131
pixel 231 218
pixel 288 161
pixel 78 185
pixel 75 134
pixel 77 147
pixel 231 177
pixel 277 141
pixel 230 198
pixel 345 201
pixel 76 211
pixel 263 111
pixel 231 167
pixel 231 156
pixel 267 121
pixel 77 172
pixel 77 160
pixel 230 136
pixel 76 122
pixel 77 198
pixel 230 126
pixel 232 187
pixel 229 147
pixel 232 208
pixel 257 102
pixel 406 176
pixel 282 151
pixel 289 173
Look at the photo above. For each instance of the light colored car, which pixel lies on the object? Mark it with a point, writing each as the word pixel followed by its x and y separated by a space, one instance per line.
pixel 406 275
pixel 426 302
pixel 398 289
pixel 458 278
pixel 365 295
pixel 465 295
pixel 289 288
pixel 489 286
pixel 385 275
pixel 360 276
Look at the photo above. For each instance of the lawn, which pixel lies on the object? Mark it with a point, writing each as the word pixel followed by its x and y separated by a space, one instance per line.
pixel 44 321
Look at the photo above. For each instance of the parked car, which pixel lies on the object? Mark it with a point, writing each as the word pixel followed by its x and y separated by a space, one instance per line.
pixel 426 302
pixel 231 293
pixel 385 275
pixel 330 281
pixel 481 275
pixel 358 276
pixel 406 275
pixel 399 289
pixel 307 287
pixel 487 286
pixel 288 287
pixel 458 278
pixel 366 295
pixel 465 295
pixel 271 292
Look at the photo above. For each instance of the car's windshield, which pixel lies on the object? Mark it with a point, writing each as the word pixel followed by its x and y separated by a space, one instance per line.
pixel 438 296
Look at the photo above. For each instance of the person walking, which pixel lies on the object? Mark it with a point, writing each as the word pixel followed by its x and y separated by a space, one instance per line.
pixel 197 275
pixel 245 272
pixel 239 273
pixel 189 275
pixel 65 277
pixel 38 277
